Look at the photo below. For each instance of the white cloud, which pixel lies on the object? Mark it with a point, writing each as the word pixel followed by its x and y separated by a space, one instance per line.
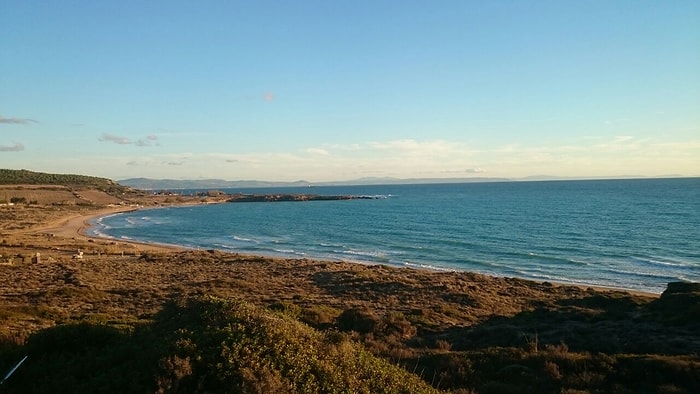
pixel 317 151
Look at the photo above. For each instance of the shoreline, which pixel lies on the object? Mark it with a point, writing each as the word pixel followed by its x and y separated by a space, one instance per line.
pixel 82 231
pixel 78 226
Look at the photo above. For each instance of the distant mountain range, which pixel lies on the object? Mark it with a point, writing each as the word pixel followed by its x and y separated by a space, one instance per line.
pixel 208 184
pixel 170 184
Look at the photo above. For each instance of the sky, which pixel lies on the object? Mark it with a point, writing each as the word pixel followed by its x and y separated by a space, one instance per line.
pixel 341 90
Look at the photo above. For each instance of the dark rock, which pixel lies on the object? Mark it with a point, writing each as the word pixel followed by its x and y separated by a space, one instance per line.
pixel 679 304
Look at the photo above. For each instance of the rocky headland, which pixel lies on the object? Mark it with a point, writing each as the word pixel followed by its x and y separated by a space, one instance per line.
pixel 295 197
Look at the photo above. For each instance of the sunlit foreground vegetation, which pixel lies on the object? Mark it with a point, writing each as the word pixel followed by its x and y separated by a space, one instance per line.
pixel 205 345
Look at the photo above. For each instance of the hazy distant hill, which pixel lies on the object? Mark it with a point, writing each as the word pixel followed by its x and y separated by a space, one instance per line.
pixel 412 181
pixel 158 184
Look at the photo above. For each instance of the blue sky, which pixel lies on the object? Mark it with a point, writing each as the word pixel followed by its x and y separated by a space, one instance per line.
pixel 337 90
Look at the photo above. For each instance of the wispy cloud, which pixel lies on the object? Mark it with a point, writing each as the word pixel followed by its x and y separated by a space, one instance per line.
pixel 4 120
pixel 17 147
pixel 411 147
pixel 317 151
pixel 462 172
pixel 176 161
pixel 151 140
pixel 107 137
pixel 623 143
pixel 606 155
pixel 269 96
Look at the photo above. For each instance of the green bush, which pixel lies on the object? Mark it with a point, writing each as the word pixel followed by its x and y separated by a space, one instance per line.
pixel 203 345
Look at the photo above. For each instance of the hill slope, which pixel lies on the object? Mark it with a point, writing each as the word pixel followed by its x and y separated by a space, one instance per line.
pixel 26 177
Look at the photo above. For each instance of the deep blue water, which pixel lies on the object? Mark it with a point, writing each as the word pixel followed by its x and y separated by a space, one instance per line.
pixel 633 234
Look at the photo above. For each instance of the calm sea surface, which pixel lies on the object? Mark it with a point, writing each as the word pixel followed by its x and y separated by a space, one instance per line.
pixel 633 234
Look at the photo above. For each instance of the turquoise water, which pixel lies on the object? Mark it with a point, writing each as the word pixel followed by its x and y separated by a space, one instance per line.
pixel 633 234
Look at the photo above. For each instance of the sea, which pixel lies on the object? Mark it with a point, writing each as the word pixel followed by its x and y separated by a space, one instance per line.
pixel 636 234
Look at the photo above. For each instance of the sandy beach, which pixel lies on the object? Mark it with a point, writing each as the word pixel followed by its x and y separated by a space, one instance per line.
pixel 78 227
pixel 73 227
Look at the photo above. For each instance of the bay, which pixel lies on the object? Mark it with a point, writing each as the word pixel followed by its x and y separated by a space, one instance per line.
pixel 636 234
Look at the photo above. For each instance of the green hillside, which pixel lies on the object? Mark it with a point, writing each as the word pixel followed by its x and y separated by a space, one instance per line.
pixel 26 177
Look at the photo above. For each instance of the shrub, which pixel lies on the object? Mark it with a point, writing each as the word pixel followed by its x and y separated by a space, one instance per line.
pixel 319 316
pixel 360 320
pixel 204 345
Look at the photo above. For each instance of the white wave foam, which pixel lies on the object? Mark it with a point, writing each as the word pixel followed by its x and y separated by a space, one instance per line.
pixel 243 239
pixel 428 267
pixel 368 253
pixel 289 253
pixel 330 245
pixel 653 261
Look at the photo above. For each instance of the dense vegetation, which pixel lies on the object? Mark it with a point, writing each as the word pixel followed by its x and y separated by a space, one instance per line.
pixel 26 177
pixel 204 345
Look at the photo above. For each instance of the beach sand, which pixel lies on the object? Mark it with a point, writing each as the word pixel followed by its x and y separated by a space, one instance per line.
pixel 78 227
